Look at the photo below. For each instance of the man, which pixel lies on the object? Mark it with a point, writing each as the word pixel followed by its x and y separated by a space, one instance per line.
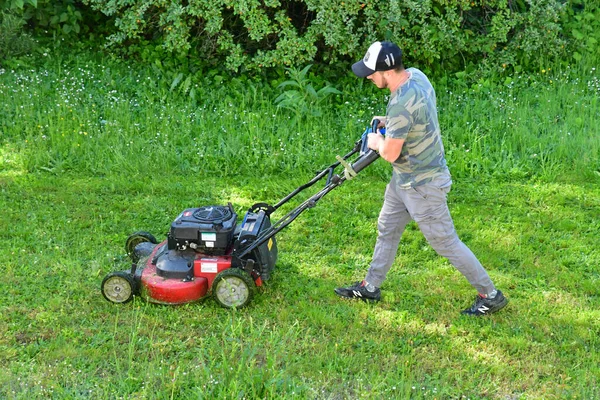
pixel 420 179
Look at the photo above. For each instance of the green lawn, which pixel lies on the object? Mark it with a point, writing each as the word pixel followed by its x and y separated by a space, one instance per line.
pixel 59 337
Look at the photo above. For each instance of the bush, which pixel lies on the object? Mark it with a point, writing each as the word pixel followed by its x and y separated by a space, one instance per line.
pixel 14 42
pixel 581 23
pixel 450 35
pixel 61 19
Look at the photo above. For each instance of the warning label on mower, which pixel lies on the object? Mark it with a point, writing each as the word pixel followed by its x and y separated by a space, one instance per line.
pixel 208 265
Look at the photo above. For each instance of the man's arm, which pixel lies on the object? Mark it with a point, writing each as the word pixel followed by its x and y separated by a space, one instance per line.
pixel 389 149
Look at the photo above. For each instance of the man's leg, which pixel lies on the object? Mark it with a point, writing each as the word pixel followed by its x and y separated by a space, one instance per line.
pixel 427 205
pixel 393 218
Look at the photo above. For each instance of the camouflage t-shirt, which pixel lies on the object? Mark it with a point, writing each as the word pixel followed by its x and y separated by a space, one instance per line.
pixel 412 116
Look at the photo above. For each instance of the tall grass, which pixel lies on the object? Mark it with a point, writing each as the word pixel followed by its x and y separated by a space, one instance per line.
pixel 539 125
pixel 105 118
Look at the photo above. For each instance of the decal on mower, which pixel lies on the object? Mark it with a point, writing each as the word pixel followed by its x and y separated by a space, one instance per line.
pixel 209 237
pixel 210 267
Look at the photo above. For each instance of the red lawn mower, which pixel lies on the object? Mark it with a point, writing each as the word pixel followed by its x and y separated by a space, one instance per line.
pixel 207 252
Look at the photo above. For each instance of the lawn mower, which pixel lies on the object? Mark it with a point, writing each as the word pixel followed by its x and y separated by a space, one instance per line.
pixel 207 252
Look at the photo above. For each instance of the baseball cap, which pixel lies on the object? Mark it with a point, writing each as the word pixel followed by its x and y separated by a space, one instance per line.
pixel 381 56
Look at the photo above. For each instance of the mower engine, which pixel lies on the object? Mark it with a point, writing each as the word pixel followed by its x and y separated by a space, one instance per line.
pixel 206 229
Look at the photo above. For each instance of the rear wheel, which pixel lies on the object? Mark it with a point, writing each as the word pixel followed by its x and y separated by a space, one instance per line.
pixel 233 288
pixel 136 238
pixel 118 287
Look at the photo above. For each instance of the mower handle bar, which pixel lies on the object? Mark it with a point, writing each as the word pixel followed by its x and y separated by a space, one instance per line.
pixel 327 171
pixel 333 181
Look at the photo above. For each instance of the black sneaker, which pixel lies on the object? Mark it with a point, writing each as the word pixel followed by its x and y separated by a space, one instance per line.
pixel 485 306
pixel 359 291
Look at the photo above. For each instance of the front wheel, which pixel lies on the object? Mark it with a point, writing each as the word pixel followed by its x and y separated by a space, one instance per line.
pixel 233 288
pixel 118 287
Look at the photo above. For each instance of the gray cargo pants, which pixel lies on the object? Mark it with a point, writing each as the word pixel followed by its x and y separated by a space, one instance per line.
pixel 426 204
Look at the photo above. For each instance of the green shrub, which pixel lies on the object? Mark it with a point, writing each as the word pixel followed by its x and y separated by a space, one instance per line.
pixel 450 35
pixel 61 19
pixel 301 97
pixel 14 41
pixel 581 24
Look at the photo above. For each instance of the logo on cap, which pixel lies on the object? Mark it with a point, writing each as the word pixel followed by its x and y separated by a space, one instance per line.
pixel 387 60
pixel 367 56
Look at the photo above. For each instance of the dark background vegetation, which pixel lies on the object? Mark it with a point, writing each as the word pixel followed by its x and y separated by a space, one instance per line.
pixel 456 38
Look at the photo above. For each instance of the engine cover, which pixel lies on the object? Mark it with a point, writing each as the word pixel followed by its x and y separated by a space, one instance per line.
pixel 208 229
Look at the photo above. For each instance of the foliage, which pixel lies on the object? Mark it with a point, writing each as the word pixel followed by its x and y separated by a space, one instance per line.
pixel 60 339
pixel 250 35
pixel 301 97
pixel 14 42
pixel 63 19
pixel 83 114
pixel 92 150
pixel 581 22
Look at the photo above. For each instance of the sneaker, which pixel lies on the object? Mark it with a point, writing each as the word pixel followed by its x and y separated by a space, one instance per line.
pixel 359 291
pixel 485 306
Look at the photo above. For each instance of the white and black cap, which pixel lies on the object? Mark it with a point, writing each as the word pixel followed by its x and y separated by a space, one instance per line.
pixel 381 56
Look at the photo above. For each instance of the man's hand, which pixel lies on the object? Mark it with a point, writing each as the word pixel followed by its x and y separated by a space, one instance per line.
pixel 389 149
pixel 375 140
pixel 381 121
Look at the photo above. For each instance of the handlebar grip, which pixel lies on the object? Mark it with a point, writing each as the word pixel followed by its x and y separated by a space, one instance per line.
pixel 374 125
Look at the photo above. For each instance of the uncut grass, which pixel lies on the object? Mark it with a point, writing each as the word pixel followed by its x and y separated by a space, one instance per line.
pixel 100 117
pixel 60 338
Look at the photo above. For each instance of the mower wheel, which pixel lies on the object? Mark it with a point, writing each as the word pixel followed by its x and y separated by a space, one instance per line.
pixel 136 238
pixel 118 287
pixel 233 288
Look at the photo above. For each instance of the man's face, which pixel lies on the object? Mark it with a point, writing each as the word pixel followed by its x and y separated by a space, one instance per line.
pixel 379 79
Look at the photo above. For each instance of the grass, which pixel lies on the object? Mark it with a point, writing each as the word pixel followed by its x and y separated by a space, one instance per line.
pixel 60 338
pixel 134 155
pixel 100 117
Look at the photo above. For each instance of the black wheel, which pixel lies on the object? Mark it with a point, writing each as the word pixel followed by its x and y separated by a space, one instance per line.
pixel 118 287
pixel 233 288
pixel 136 238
